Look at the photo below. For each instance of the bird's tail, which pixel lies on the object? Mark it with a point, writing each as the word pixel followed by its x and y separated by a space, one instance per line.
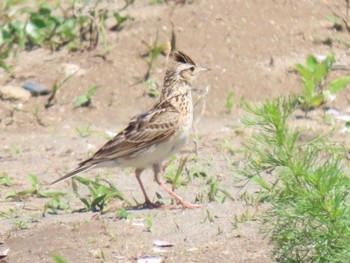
pixel 73 173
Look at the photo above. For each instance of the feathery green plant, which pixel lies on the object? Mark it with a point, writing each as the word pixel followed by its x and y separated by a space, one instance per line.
pixel 304 182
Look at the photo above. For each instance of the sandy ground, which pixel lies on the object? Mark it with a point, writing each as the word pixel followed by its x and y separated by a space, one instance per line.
pixel 251 47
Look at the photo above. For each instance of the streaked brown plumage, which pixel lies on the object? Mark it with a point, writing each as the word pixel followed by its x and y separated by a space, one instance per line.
pixel 153 136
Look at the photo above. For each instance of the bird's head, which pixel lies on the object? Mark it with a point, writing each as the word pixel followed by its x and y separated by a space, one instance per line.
pixel 181 68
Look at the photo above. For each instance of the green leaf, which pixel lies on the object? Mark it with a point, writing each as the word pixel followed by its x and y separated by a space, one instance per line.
pixel 317 100
pixel 320 72
pixel 98 201
pixel 58 259
pixel 67 30
pixel 311 62
pixel 304 72
pixel 34 181
pixel 81 101
pixel 93 191
pixel 51 194
pixel 5 179
pixel 309 89
pixel 44 11
pixel 86 203
pixel 347 124
pixel 262 182
pixel 37 22
pixel 3 65
pixel 91 92
pixel 82 180
pixel 75 187
pixel 333 18
pixel 35 34
pixel 339 84
pixel 5 36
pixel 120 21
pixel 17 26
pixel 156 52
pixel 330 60
pixel 11 195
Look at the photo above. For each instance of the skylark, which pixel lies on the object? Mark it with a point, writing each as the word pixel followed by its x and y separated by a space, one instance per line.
pixel 155 135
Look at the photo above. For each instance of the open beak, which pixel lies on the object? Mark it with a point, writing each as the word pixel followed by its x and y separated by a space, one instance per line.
pixel 199 69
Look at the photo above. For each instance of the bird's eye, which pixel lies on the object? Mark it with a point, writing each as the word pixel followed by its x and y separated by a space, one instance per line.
pixel 192 68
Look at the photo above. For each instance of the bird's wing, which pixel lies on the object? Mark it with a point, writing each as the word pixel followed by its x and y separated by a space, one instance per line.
pixel 142 131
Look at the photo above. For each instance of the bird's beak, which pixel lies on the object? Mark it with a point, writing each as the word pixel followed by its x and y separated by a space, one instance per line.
pixel 199 69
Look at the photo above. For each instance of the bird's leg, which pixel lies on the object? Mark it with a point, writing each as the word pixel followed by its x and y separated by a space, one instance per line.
pixel 147 200
pixel 156 170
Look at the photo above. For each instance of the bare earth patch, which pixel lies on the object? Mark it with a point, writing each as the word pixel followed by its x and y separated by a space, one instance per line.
pixel 251 47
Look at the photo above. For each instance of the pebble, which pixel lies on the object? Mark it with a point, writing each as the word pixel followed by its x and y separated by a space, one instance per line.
pixel 35 88
pixel 72 69
pixel 14 93
pixel 150 259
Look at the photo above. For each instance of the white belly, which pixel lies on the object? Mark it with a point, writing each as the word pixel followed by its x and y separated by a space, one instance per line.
pixel 155 154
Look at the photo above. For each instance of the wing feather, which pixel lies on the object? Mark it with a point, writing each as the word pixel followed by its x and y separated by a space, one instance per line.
pixel 143 131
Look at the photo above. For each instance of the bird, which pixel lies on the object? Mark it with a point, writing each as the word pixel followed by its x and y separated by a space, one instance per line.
pixel 155 135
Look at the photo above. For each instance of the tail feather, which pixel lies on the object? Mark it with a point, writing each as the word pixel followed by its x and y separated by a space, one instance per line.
pixel 73 173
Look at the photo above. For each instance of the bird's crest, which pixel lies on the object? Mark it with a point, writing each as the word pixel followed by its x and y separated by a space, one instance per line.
pixel 181 57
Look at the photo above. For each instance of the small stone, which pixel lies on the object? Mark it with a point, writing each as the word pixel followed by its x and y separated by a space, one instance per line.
pixel 4 253
pixel 162 243
pixel 14 93
pixel 151 260
pixel 35 88
pixel 72 69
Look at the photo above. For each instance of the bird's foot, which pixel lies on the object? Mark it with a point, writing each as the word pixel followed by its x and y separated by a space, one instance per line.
pixel 149 204
pixel 156 205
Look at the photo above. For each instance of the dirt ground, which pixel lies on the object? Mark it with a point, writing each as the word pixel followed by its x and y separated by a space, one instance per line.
pixel 250 46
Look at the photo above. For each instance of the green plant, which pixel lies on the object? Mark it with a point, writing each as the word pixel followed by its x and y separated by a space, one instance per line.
pixel 41 28
pixel 33 191
pixel 120 21
pixel 122 213
pixel 314 74
pixel 59 259
pixel 37 116
pixel 336 20
pixel 149 224
pixel 151 87
pixel 217 193
pixel 54 205
pixel 15 150
pixel 156 2
pixel 100 194
pixel 242 218
pixel 252 199
pixel 84 131
pixel 56 86
pixel 304 182
pixel 8 214
pixel 229 101
pixel 85 100
pixel 209 216
pixel 5 179
pixel 53 25
pixel 173 175
pixel 21 224
pixel 150 56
